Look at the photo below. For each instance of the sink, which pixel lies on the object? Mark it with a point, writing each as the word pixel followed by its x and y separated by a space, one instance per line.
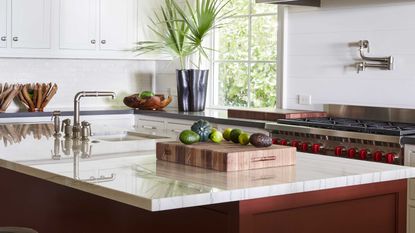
pixel 129 136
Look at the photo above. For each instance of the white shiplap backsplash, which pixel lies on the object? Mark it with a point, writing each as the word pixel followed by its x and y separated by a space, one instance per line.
pixel 122 76
pixel 321 61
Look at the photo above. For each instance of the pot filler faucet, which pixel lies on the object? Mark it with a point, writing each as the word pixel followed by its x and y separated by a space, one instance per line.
pixel 76 130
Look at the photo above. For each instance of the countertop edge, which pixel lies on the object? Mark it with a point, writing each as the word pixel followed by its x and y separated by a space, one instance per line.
pixel 217 197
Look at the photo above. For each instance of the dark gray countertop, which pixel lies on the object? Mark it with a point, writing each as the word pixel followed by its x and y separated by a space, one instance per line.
pixel 66 113
pixel 211 115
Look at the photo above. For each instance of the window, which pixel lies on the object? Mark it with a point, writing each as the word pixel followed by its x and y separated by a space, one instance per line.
pixel 245 64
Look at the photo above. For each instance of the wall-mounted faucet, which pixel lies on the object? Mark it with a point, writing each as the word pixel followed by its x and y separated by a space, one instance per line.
pixel 76 130
pixel 384 63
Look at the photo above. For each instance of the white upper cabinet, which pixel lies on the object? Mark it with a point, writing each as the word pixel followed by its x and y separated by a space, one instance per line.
pixel 78 24
pixel 31 24
pixel 3 23
pixel 146 12
pixel 118 24
pixel 91 29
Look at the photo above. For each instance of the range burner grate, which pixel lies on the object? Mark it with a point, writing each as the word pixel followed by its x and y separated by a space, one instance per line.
pixel 347 124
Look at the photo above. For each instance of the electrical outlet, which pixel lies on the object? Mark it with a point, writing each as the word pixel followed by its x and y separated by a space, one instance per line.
pixel 304 99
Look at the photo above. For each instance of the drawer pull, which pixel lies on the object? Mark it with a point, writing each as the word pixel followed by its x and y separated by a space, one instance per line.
pixel 149 127
pixel 176 130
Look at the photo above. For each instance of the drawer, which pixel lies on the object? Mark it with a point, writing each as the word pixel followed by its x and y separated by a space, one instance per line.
pixel 412 189
pixel 151 127
pixel 175 129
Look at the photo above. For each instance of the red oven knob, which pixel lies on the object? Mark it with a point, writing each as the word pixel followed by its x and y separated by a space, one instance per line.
pixel 295 143
pixel 391 157
pixel 339 150
pixel 275 141
pixel 377 156
pixel 316 148
pixel 304 146
pixel 283 142
pixel 363 154
pixel 351 153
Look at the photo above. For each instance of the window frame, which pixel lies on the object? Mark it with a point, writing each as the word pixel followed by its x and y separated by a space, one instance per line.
pixel 213 94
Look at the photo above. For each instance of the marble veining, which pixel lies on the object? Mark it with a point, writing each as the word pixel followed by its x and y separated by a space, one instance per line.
pixel 142 181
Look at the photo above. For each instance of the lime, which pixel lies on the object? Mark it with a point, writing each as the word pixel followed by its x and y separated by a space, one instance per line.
pixel 244 139
pixel 214 130
pixel 146 94
pixel 189 137
pixel 235 135
pixel 216 136
pixel 227 134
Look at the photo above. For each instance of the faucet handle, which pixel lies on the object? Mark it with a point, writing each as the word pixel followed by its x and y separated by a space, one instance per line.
pixel 86 130
pixel 364 44
pixel 55 114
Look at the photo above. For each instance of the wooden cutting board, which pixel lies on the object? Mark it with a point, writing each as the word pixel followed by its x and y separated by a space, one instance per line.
pixel 226 156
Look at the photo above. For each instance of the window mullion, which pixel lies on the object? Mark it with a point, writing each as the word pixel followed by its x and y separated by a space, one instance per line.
pixel 249 52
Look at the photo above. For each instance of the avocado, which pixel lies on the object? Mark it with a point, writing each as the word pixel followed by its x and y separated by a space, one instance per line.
pixel 260 140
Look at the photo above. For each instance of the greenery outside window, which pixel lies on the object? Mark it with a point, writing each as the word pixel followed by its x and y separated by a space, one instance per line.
pixel 245 64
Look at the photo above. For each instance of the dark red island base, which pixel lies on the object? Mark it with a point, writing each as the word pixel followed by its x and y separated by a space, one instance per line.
pixel 52 208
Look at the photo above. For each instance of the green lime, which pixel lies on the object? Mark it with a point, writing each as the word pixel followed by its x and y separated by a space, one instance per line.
pixel 216 136
pixel 244 139
pixel 189 137
pixel 227 134
pixel 235 135
pixel 146 94
pixel 214 130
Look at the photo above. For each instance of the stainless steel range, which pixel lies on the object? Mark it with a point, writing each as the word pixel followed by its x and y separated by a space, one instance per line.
pixel 366 133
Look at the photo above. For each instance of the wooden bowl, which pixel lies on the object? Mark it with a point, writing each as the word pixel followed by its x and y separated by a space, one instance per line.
pixel 157 102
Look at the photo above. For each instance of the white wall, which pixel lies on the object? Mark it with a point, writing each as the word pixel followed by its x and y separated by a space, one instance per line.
pixel 320 60
pixel 122 76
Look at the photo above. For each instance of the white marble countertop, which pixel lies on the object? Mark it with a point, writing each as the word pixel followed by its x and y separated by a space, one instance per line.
pixel 142 181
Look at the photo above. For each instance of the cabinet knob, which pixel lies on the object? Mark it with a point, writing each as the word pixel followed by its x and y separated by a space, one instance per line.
pixel 93 41
pixel 3 38
pixel 15 38
pixel 103 41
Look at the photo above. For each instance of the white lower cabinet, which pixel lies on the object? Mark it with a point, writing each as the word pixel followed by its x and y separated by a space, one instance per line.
pixel 173 129
pixel 248 130
pixel 151 126
pixel 31 24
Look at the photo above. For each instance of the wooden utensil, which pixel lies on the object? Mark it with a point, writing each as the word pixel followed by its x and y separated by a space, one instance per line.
pixel 42 95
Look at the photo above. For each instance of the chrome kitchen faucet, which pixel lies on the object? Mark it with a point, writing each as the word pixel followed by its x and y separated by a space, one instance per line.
pixel 76 130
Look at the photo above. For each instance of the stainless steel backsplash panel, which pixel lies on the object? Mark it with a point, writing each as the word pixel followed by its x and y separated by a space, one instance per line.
pixel 371 113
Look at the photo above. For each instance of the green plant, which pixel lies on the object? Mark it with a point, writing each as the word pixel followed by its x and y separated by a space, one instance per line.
pixel 181 31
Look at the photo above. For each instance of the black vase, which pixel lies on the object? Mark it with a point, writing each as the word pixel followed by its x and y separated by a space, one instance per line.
pixel 192 89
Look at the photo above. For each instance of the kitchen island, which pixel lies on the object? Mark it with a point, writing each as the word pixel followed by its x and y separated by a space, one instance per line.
pixel 120 187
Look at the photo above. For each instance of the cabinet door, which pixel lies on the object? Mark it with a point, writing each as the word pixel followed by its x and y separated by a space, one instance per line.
pixel 3 23
pixel 78 24
pixel 146 12
pixel 31 24
pixel 118 24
